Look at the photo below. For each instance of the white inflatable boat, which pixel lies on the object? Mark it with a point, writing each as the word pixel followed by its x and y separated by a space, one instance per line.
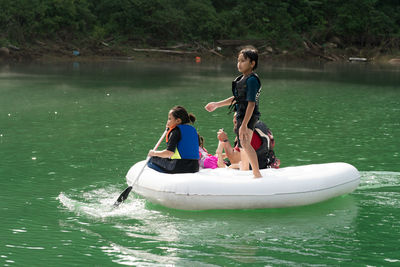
pixel 226 188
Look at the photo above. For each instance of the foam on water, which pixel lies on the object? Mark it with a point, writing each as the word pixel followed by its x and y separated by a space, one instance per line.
pixel 98 203
pixel 378 179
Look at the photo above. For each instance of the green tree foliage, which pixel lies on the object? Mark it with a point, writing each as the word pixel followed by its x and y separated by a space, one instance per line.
pixel 281 22
pixel 158 19
pixel 23 20
pixel 373 22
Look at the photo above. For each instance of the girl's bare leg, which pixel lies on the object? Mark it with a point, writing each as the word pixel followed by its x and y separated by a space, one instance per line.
pixel 244 160
pixel 250 154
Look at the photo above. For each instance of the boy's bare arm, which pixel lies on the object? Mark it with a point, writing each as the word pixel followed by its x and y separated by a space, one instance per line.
pixel 214 105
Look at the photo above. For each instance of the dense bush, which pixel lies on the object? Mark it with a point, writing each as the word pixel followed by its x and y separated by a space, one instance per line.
pixel 23 20
pixel 281 22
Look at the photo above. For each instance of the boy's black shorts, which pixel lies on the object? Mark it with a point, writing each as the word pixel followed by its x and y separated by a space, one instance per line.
pixel 251 125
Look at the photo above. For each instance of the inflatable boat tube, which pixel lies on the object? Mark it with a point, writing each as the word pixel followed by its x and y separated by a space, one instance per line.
pixel 225 188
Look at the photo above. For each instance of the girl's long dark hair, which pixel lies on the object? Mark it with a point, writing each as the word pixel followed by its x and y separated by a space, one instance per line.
pixel 180 112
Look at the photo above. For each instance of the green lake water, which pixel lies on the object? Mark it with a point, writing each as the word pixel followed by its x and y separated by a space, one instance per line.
pixel 70 132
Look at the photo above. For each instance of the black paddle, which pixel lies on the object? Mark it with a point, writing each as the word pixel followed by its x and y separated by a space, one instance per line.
pixel 124 195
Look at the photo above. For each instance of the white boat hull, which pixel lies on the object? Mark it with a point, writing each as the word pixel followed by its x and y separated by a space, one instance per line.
pixel 233 189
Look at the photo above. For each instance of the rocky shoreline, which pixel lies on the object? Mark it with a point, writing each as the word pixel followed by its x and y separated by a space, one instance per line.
pixel 50 51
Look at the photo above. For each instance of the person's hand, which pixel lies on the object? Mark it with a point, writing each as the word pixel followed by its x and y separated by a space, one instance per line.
pixel 211 106
pixel 151 153
pixel 222 136
pixel 243 132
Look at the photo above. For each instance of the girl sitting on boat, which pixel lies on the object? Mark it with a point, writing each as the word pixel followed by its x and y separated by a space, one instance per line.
pixel 206 160
pixel 182 152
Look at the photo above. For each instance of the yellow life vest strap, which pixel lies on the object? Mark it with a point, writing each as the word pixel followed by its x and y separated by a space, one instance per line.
pixel 176 155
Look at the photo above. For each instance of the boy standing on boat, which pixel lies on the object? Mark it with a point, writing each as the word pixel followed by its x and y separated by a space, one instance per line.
pixel 246 90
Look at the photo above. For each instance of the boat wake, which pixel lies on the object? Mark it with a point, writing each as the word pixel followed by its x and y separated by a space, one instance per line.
pixel 99 203
pixel 375 180
pixel 380 190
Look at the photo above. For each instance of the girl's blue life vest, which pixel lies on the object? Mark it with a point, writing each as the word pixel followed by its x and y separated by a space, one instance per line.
pixel 188 146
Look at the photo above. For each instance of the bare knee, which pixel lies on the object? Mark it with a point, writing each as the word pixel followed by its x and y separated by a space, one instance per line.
pixel 246 145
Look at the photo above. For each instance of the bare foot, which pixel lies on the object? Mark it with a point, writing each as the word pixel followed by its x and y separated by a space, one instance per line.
pixel 257 176
pixel 234 166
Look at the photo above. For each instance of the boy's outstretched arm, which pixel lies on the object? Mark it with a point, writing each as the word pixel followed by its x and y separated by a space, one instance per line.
pixel 214 105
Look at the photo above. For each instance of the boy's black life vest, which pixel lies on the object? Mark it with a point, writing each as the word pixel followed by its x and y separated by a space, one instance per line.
pixel 265 153
pixel 239 91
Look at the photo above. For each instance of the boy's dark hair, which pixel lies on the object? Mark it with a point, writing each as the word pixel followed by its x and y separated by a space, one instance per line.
pixel 180 112
pixel 250 53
